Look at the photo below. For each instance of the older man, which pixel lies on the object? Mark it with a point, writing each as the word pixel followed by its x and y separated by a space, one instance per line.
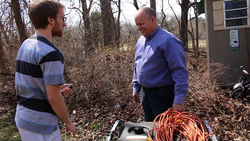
pixel 160 67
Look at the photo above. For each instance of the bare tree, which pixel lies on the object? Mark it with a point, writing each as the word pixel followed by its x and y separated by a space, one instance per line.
pixel 2 57
pixel 96 25
pixel 191 33
pixel 4 37
pixel 108 23
pixel 117 30
pixel 15 6
pixel 163 13
pixel 153 5
pixel 176 17
pixel 85 14
pixel 196 13
pixel 184 22
pixel 9 36
pixel 87 28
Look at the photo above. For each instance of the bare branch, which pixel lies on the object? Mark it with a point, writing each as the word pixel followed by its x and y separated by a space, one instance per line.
pixel 90 5
pixel 164 15
pixel 174 13
pixel 136 5
pixel 76 8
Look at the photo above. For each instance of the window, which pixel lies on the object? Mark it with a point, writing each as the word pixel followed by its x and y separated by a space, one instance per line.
pixel 231 14
pixel 236 13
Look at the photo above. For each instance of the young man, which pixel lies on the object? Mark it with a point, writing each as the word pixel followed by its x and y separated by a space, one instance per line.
pixel 160 67
pixel 39 76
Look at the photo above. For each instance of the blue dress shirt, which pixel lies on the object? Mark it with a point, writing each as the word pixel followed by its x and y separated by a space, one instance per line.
pixel 160 61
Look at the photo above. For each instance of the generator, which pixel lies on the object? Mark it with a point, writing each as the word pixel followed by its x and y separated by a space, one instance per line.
pixel 129 131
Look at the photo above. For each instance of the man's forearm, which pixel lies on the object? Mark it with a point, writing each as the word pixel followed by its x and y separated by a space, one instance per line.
pixel 57 102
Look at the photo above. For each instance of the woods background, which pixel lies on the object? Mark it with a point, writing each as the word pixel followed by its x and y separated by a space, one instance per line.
pixel 99 26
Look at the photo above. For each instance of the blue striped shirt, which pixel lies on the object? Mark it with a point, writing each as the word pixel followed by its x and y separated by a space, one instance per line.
pixel 160 61
pixel 38 63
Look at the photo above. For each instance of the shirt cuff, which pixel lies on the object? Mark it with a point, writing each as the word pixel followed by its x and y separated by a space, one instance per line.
pixel 136 90
pixel 179 100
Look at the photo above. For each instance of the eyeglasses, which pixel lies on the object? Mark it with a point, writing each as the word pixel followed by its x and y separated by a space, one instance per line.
pixel 64 19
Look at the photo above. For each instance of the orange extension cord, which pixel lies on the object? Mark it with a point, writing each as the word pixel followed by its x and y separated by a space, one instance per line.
pixel 183 123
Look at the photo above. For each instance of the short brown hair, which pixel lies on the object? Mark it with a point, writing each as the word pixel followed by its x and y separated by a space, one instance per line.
pixel 40 10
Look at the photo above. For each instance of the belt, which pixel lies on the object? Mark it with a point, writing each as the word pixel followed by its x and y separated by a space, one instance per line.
pixel 152 88
pixel 36 104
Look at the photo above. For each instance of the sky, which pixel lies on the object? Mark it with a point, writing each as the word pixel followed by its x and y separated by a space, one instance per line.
pixel 128 9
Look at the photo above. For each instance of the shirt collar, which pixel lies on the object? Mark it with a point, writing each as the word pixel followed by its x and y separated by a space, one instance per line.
pixel 150 36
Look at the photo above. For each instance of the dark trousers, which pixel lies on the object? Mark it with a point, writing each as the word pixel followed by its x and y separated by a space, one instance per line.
pixel 156 101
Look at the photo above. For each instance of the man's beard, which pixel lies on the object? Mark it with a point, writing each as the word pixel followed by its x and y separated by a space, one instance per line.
pixel 56 31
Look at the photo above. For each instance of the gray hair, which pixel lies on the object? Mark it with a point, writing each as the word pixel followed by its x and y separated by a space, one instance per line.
pixel 149 11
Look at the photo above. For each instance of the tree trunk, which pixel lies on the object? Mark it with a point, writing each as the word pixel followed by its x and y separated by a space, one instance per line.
pixel 96 25
pixel 153 5
pixel 15 6
pixel 3 59
pixel 184 23
pixel 118 24
pixel 88 43
pixel 108 23
pixel 4 37
pixel 1 55
pixel 197 29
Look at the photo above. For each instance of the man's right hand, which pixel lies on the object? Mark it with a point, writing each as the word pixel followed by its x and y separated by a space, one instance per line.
pixel 136 97
pixel 71 128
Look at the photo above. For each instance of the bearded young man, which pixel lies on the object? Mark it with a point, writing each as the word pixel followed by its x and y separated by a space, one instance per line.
pixel 39 76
